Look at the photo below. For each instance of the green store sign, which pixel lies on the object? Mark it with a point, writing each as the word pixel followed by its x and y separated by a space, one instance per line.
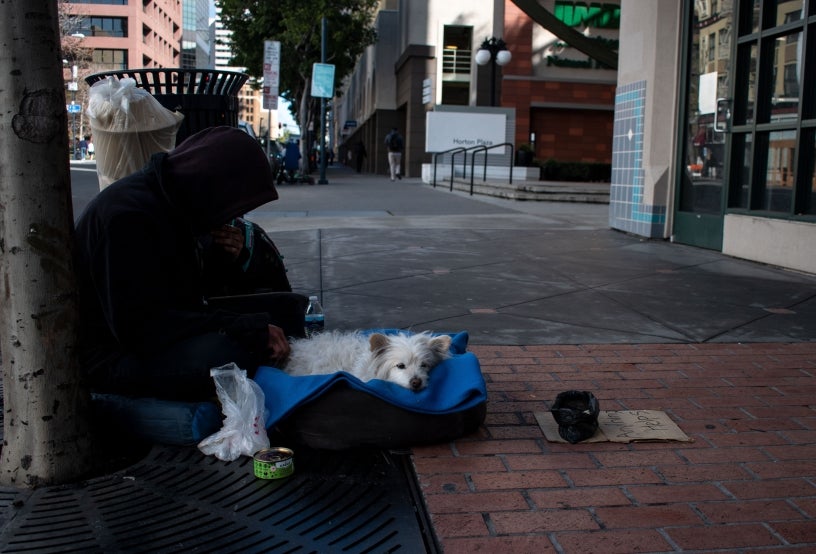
pixel 594 15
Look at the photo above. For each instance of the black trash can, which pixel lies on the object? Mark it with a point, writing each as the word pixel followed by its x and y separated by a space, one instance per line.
pixel 206 97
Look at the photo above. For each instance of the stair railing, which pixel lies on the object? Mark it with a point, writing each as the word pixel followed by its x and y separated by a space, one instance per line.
pixel 477 149
pixel 453 152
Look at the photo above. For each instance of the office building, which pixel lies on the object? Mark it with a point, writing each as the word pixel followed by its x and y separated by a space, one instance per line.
pixel 126 34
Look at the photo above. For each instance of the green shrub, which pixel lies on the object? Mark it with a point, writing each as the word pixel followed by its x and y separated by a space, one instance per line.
pixel 553 170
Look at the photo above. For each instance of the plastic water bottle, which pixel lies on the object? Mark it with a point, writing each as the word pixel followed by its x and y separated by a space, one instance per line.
pixel 315 320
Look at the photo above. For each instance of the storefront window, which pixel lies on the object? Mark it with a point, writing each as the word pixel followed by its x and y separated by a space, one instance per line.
pixel 744 107
pixel 779 174
pixel 785 84
pixel 772 149
pixel 741 182
pixel 749 17
pixel 809 202
pixel 777 12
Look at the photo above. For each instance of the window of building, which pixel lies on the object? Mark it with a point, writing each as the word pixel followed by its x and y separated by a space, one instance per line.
pixel 112 2
pixel 457 61
pixel 772 165
pixel 92 26
pixel 109 59
pixel 808 199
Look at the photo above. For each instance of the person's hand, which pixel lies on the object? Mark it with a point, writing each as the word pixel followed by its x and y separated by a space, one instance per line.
pixel 229 239
pixel 277 347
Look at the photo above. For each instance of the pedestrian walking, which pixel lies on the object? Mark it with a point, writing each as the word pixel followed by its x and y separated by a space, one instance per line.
pixel 394 143
pixel 291 157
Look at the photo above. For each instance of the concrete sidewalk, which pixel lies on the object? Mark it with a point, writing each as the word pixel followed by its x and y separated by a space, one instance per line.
pixel 555 300
pixel 404 254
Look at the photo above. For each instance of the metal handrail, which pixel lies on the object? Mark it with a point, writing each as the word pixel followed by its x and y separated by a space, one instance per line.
pixel 437 154
pixel 476 149
pixel 464 164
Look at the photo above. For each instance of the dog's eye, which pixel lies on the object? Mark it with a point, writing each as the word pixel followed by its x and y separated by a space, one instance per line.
pixel 400 366
pixel 423 365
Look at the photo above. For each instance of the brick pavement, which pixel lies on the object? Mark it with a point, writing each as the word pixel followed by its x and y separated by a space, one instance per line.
pixel 746 484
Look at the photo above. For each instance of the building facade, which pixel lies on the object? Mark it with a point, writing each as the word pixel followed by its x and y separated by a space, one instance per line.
pixel 126 34
pixel 709 121
pixel 564 100
pixel 715 127
pixel 563 104
pixel 197 44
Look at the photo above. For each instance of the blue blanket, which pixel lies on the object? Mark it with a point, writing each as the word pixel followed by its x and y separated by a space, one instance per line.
pixel 453 386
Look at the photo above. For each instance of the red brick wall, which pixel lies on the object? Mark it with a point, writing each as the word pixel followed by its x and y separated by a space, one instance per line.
pixel 572 135
pixel 582 135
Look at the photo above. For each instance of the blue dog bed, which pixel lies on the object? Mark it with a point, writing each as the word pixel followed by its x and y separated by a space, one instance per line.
pixel 339 411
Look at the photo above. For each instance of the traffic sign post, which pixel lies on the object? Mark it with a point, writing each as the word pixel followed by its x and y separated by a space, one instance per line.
pixel 73 109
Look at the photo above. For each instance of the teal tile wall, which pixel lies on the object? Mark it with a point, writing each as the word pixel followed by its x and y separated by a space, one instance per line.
pixel 627 211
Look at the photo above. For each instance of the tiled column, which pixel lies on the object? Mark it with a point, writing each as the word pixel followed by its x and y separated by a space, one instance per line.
pixel 644 135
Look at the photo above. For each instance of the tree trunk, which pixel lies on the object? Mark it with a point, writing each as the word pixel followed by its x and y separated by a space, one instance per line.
pixel 46 427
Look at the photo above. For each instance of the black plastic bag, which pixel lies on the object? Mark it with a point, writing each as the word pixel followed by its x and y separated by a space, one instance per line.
pixel 576 413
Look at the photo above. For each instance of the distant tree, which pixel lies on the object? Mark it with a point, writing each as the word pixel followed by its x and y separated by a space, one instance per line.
pixel 74 53
pixel 45 413
pixel 297 25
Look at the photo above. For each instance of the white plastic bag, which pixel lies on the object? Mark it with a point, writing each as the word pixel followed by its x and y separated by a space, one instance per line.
pixel 129 125
pixel 244 429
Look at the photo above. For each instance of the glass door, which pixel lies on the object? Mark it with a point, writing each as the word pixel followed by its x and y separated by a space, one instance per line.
pixel 705 146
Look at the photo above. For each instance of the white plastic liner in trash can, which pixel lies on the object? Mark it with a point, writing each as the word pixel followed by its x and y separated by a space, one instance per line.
pixel 129 125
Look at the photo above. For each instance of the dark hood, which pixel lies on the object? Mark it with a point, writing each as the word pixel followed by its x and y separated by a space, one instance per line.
pixel 215 175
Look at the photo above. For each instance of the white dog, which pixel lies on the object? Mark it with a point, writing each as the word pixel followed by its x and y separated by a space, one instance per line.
pixel 403 359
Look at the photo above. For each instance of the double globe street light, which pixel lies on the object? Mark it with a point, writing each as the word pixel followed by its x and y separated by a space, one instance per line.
pixel 493 50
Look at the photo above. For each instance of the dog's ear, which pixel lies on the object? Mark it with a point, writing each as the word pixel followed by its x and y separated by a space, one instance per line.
pixel 378 343
pixel 441 345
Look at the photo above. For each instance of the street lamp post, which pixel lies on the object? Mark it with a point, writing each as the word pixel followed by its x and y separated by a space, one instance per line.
pixel 493 50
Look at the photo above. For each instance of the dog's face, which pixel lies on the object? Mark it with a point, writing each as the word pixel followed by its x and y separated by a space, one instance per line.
pixel 408 359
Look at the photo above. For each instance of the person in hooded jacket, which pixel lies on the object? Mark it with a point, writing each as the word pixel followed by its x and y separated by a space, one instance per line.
pixel 146 326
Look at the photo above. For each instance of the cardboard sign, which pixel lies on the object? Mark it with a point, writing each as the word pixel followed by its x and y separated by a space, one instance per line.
pixel 622 426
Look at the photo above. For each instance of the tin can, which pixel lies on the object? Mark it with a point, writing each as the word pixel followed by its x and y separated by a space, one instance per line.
pixel 274 463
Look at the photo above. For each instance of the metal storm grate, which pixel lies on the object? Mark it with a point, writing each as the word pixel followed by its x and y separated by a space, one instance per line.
pixel 178 500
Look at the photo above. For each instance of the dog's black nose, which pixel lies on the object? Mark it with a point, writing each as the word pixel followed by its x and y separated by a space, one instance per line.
pixel 416 383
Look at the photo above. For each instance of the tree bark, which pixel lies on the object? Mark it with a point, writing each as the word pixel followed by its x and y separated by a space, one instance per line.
pixel 46 427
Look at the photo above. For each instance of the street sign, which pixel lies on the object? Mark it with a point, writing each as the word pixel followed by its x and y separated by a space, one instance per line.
pixel 271 74
pixel 322 80
pixel 74 108
pixel 427 91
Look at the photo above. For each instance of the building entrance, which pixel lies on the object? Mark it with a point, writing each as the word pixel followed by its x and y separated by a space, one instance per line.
pixel 698 218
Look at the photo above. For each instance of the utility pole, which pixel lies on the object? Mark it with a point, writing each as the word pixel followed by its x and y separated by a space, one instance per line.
pixel 322 180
